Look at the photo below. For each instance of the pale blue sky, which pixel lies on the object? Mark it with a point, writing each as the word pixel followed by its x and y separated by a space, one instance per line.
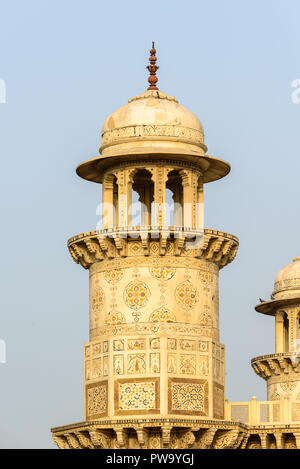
pixel 67 65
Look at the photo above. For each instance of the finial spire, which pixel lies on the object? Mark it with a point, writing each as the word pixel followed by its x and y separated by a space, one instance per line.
pixel 152 69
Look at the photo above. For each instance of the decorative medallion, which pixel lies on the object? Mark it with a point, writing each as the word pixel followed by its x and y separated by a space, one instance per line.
pixel 186 295
pixel 162 272
pixel 113 276
pixel 162 315
pixel 136 294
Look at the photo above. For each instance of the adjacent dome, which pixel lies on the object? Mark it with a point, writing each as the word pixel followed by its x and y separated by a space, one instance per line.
pixel 287 281
pixel 155 121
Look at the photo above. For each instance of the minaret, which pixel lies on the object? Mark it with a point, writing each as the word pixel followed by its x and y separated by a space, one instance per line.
pixel 282 369
pixel 154 371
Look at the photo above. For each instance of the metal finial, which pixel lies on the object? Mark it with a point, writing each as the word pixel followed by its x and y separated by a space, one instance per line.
pixel 152 69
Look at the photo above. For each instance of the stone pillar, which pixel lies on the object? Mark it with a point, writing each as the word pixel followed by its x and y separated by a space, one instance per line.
pixel 146 216
pixel 160 177
pixel 187 198
pixel 297 438
pixel 279 332
pixel 108 201
pixel 124 181
pixel 200 205
pixel 293 329
pixel 194 182
pixel 279 440
pixel 265 442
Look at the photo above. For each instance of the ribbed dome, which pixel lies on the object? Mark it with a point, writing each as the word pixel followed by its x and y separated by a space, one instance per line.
pixel 287 281
pixel 153 120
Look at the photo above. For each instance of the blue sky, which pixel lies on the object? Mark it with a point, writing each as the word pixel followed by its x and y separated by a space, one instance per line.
pixel 67 65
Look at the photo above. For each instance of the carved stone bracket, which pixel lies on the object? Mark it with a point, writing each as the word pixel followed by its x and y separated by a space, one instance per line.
pixel 275 365
pixel 89 248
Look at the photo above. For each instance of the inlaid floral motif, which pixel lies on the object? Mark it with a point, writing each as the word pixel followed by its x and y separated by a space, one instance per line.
pixel 136 294
pixel 288 387
pixel 162 315
pixel 162 272
pixel 113 276
pixel 205 319
pixel 114 317
pixel 136 364
pixel 188 364
pixel 205 277
pixel 186 295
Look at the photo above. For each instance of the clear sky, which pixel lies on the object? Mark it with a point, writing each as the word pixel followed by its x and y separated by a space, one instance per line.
pixel 66 66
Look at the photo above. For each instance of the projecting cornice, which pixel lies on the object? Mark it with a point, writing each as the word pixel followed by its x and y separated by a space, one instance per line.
pixel 267 366
pixel 96 246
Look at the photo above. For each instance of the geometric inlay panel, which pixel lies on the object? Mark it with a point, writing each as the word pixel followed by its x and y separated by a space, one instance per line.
pixel 188 396
pixel 96 400
pixel 136 396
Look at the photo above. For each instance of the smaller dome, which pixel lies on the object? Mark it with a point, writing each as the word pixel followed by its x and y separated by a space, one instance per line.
pixel 287 281
pixel 155 121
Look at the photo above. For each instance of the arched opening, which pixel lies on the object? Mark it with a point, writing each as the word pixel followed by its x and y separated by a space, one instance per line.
pixel 281 332
pixel 285 333
pixel 115 203
pixel 142 198
pixel 174 199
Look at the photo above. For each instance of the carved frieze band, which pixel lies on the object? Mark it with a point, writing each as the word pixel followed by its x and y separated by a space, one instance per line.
pixel 176 132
